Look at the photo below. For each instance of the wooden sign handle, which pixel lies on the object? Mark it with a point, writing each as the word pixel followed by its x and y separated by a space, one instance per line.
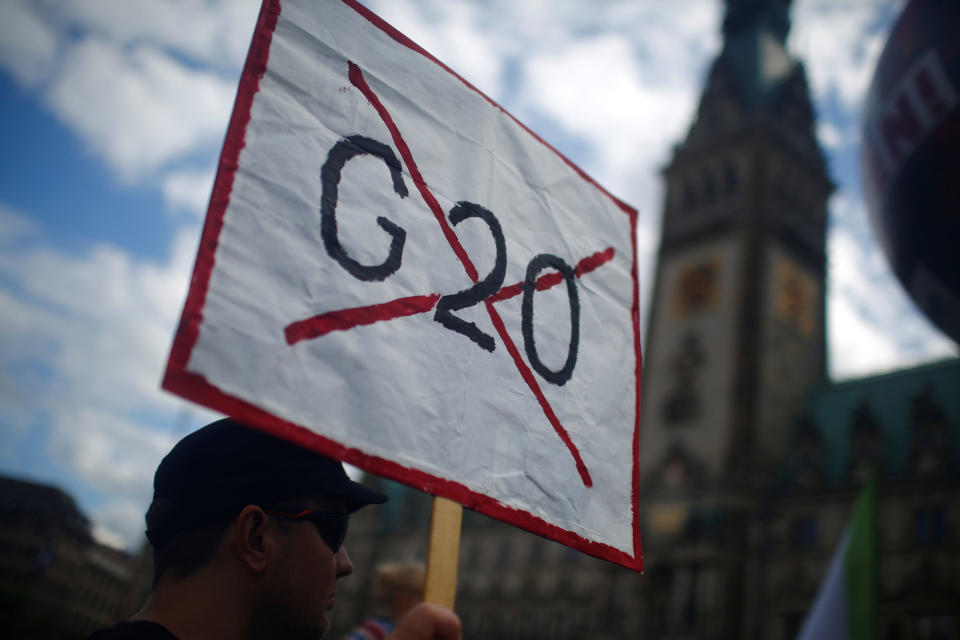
pixel 444 551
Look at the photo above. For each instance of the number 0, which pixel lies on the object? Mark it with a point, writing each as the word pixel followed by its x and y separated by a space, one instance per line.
pixel 536 265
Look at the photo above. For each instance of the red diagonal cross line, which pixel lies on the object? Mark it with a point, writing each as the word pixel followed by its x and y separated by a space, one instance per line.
pixel 409 306
pixel 344 319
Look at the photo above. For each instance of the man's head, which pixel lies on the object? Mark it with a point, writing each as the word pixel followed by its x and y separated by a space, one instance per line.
pixel 268 513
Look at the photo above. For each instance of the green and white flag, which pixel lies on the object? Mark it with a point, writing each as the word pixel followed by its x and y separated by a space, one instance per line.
pixel 846 604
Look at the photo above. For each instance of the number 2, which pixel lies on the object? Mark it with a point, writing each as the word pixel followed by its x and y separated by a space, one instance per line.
pixel 482 289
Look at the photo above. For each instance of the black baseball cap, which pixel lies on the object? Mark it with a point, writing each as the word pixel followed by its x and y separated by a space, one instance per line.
pixel 217 470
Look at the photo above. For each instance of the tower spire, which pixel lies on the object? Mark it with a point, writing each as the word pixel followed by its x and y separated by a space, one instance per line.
pixel 754 48
pixel 756 16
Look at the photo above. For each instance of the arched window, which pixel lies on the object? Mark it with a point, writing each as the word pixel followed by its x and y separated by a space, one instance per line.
pixel 709 187
pixel 809 454
pixel 929 435
pixel 865 440
pixel 730 177
pixel 689 199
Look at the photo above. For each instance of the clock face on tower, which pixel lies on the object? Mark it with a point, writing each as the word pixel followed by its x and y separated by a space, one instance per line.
pixel 697 288
pixel 795 297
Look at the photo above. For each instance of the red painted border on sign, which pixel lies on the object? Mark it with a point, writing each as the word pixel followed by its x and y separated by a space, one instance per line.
pixel 253 69
pixel 196 388
pixel 638 364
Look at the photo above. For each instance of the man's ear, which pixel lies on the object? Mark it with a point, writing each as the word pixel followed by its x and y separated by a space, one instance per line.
pixel 253 538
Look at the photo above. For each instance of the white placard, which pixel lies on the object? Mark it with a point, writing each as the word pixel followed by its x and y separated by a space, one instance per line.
pixel 396 272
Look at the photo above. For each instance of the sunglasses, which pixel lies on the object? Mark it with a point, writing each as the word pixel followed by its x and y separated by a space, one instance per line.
pixel 332 526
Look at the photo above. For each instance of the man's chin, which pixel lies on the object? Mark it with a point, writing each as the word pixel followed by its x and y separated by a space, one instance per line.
pixel 317 628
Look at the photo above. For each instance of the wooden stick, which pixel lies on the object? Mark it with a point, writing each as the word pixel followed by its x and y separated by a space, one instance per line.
pixel 444 552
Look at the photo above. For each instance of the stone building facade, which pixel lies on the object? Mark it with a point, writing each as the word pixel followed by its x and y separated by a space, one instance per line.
pixel 56 581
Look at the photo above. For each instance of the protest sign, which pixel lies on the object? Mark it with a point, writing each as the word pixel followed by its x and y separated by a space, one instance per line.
pixel 397 273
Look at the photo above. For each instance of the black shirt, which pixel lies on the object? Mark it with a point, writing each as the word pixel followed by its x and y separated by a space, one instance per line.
pixel 138 630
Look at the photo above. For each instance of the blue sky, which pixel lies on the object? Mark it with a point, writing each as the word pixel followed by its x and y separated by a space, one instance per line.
pixel 112 114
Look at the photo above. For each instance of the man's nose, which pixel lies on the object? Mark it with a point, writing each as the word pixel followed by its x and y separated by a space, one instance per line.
pixel 344 566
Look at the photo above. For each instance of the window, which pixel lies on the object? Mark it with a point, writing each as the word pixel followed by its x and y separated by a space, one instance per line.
pixel 804 533
pixel 709 187
pixel 729 177
pixel 675 473
pixel 929 526
pixel 697 288
pixel 790 624
pixel 683 403
pixel 809 452
pixel 935 626
pixel 689 196
pixel 505 554
pixel 864 442
pixel 796 298
pixel 930 450
pixel 474 555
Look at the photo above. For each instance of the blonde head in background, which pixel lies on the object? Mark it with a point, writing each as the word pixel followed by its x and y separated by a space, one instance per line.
pixel 397 587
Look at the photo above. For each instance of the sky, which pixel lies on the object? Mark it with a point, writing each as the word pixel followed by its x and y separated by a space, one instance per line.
pixel 112 114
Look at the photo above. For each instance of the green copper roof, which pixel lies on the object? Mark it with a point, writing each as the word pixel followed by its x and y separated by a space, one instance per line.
pixel 889 399
pixel 754 48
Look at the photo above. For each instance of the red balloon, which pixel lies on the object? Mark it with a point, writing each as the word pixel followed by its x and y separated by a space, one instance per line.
pixel 911 156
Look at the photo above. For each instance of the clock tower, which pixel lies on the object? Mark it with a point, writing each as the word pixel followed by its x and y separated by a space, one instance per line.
pixel 736 331
pixel 736 334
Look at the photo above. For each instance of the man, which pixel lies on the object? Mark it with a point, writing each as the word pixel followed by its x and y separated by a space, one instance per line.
pixel 247 532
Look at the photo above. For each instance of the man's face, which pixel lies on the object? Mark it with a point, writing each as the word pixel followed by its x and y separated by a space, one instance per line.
pixel 303 582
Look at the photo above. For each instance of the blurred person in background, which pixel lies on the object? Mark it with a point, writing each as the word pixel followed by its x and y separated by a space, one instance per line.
pixel 397 588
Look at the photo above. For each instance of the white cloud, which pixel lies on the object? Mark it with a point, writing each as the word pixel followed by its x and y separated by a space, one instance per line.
pixel 28 46
pixel 215 32
pixel 100 323
pixel 829 135
pixel 119 522
pixel 139 110
pixel 14 225
pixel 861 346
pixel 106 535
pixel 595 89
pixel 109 452
pixel 188 190
pixel 122 313
pixel 872 324
pixel 142 85
pixel 840 43
pixel 450 31
pixel 858 347
pixel 25 332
